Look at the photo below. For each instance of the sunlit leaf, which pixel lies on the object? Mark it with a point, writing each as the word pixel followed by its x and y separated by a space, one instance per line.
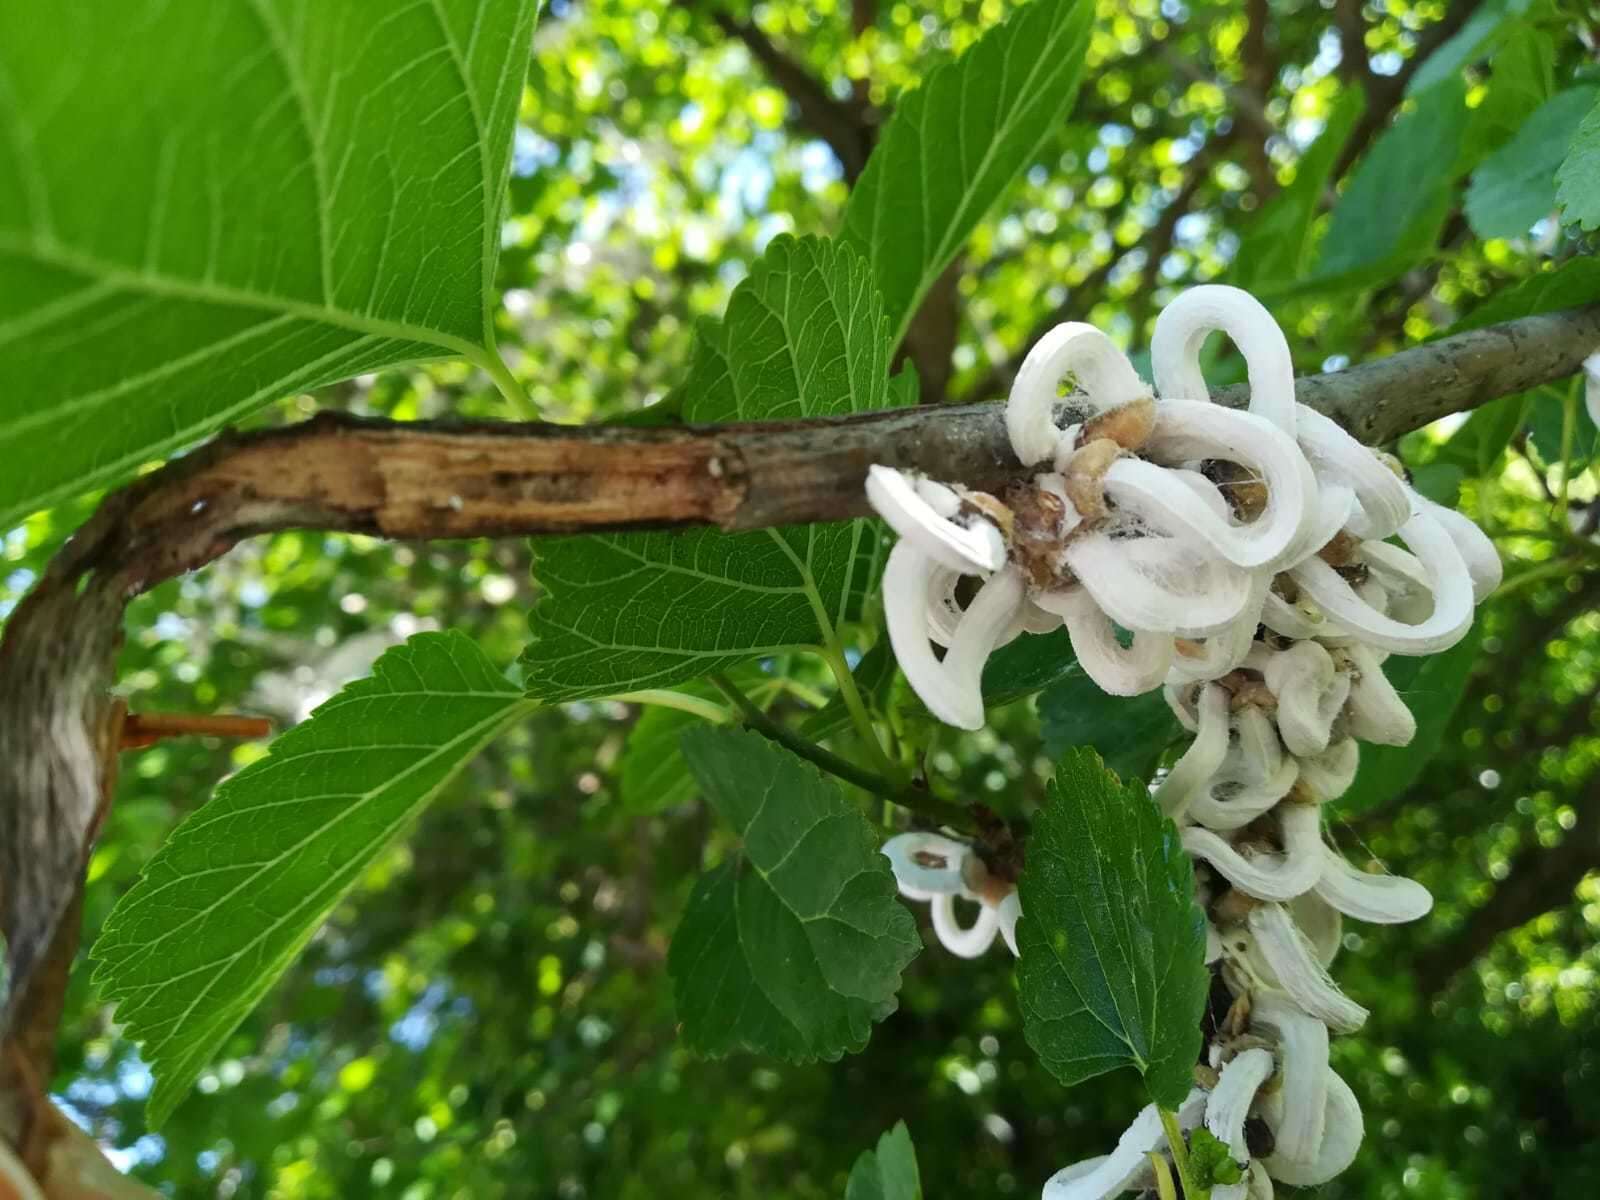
pixel 955 143
pixel 1113 944
pixel 241 885
pixel 804 336
pixel 207 206
pixel 793 947
pixel 889 1172
pixel 1579 177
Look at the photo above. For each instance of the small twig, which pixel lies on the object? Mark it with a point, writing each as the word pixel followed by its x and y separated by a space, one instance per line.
pixel 146 729
pixel 911 797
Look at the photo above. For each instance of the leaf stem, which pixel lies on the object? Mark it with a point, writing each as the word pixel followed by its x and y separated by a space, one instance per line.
pixel 1180 1155
pixel 488 359
pixel 905 795
pixel 833 654
pixel 682 701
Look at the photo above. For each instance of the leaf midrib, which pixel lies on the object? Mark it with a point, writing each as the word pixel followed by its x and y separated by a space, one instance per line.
pixel 52 254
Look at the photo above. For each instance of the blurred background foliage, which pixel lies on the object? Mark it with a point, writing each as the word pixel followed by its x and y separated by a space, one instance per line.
pixel 488 1014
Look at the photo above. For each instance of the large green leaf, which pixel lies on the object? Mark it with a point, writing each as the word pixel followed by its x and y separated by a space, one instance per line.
pixel 804 336
pixel 1128 732
pixel 889 1172
pixel 794 946
pixel 1473 41
pixel 1516 185
pixel 1579 176
pixel 1395 204
pixel 1431 686
pixel 1113 945
pixel 206 206
pixel 1277 247
pixel 241 885
pixel 955 143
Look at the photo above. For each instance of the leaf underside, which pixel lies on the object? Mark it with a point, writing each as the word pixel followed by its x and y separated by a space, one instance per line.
pixel 304 192
pixel 243 884
pixel 793 947
pixel 1112 971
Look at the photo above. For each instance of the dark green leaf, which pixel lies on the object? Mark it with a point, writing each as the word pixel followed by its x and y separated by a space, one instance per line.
pixel 1439 482
pixel 1128 732
pixel 889 1173
pixel 1579 177
pixel 279 195
pixel 1516 185
pixel 240 887
pixel 1113 945
pixel 1521 78
pixel 955 143
pixel 1431 687
pixel 1546 421
pixel 1394 206
pixel 1026 665
pixel 804 336
pixel 1484 436
pixel 794 946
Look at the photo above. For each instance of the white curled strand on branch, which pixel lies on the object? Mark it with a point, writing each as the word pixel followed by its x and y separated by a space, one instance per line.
pixel 1242 560
pixel 939 870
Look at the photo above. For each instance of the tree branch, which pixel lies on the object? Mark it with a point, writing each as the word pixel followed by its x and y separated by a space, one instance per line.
pixel 59 727
pixel 846 125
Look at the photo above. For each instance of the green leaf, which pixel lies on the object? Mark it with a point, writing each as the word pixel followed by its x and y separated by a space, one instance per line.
pixel 652 775
pixel 1113 945
pixel 804 336
pixel 793 947
pixel 1026 665
pixel 1439 482
pixel 1547 416
pixel 954 144
pixel 1521 78
pixel 1516 185
pixel 1210 1161
pixel 281 194
pixel 1396 203
pixel 243 884
pixel 1431 686
pixel 1571 285
pixel 1477 446
pixel 1472 42
pixel 1578 179
pixel 1128 732
pixel 890 1172
pixel 1277 247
